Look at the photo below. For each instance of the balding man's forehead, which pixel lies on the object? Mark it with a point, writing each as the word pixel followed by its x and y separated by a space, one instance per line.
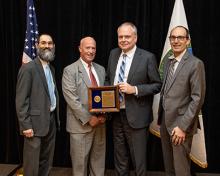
pixel 87 40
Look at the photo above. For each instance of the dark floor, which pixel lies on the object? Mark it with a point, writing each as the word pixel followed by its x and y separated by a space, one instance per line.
pixel 67 172
pixel 8 170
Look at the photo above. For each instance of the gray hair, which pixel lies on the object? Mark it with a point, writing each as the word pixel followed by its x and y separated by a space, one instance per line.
pixel 129 24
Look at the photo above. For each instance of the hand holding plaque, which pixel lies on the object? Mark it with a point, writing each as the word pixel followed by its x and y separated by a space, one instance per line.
pixel 103 99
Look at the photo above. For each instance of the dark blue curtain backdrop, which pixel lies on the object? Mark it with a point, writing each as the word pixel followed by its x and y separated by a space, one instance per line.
pixel 68 21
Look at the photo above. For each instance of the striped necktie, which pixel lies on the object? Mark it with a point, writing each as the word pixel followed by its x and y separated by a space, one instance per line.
pixel 121 75
pixel 170 74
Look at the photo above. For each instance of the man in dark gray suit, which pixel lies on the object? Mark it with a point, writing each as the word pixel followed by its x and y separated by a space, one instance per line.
pixel 37 109
pixel 182 96
pixel 87 130
pixel 135 71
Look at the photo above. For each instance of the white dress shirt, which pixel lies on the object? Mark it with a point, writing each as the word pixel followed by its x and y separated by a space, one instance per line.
pixel 92 69
pixel 129 59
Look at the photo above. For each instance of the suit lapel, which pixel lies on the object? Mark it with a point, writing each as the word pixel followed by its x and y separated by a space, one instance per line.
pixel 99 74
pixel 40 70
pixel 134 65
pixel 83 74
pixel 114 64
pixel 182 62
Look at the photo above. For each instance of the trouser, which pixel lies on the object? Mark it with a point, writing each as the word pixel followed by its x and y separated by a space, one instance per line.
pixel 129 141
pixel 176 157
pixel 87 151
pixel 38 152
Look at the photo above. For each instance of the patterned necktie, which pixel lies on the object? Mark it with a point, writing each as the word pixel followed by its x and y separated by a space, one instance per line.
pixel 51 86
pixel 121 75
pixel 170 74
pixel 92 77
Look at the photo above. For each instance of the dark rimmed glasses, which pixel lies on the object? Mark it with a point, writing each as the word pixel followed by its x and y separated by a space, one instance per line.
pixel 179 38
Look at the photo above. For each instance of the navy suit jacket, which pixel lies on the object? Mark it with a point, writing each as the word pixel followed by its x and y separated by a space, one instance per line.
pixel 144 75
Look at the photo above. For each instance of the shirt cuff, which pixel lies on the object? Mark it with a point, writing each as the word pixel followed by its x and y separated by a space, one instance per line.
pixel 136 91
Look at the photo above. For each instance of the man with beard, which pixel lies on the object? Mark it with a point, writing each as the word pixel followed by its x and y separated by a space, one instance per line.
pixel 37 109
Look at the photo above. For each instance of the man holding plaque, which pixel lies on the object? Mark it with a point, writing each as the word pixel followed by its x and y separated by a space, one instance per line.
pixel 87 130
pixel 135 71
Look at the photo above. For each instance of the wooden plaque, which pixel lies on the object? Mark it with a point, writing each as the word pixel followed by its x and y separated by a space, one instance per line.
pixel 103 99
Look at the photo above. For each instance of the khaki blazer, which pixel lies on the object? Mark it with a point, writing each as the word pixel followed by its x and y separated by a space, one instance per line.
pixel 75 83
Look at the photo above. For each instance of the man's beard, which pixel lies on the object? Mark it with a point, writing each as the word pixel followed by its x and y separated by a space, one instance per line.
pixel 47 54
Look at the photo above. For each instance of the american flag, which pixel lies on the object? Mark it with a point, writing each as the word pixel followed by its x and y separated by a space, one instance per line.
pixel 29 52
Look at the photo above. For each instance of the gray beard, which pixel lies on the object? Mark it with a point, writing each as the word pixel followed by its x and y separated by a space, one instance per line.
pixel 47 55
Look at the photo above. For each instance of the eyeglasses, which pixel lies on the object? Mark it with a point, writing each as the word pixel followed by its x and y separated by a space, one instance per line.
pixel 179 38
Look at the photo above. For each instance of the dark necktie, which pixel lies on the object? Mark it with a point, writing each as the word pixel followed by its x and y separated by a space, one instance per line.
pixel 170 74
pixel 92 77
pixel 121 75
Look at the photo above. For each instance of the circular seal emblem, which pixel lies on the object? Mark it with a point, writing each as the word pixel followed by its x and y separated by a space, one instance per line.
pixel 97 99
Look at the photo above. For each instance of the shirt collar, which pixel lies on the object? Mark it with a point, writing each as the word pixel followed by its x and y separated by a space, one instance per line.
pixel 130 53
pixel 44 63
pixel 178 58
pixel 84 63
